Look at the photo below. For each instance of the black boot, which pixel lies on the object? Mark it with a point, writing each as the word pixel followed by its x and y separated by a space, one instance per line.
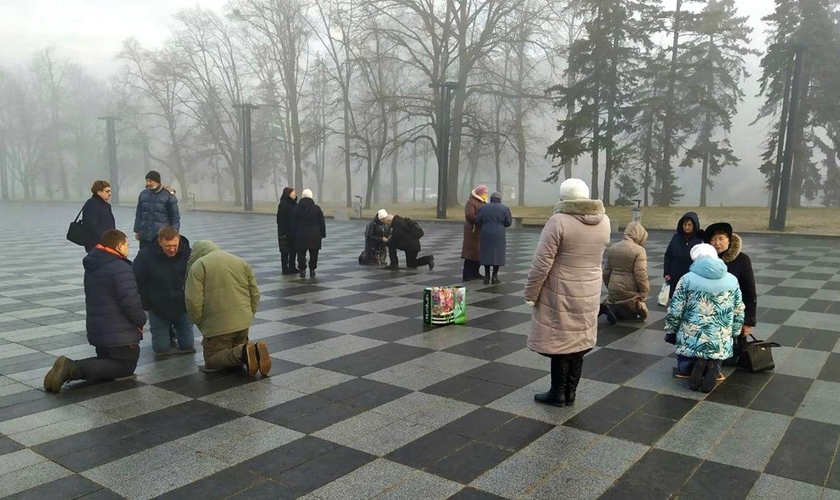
pixel 556 396
pixel 605 309
pixel 575 369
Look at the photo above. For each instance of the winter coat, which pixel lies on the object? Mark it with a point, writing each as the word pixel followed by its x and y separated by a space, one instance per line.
pixel 739 265
pixel 706 311
pixel 677 255
pixel 155 209
pixel 492 220
pixel 98 218
pixel 625 268
pixel 308 225
pixel 114 314
pixel 221 291
pixel 401 238
pixel 285 209
pixel 470 249
pixel 565 278
pixel 376 250
pixel 161 279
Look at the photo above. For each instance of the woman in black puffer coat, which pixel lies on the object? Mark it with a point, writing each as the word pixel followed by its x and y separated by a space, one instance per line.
pixel 309 229
pixel 285 239
pixel 678 253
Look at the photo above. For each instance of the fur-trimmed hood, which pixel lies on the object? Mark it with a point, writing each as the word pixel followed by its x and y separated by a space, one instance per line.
pixel 733 251
pixel 589 212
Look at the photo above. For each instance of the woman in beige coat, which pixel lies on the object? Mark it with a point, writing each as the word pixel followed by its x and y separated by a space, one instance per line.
pixel 564 288
pixel 626 276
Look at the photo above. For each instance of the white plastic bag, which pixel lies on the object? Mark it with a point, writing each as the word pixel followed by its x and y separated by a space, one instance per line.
pixel 663 294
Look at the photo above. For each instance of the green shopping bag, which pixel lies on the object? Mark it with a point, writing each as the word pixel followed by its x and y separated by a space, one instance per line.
pixel 445 305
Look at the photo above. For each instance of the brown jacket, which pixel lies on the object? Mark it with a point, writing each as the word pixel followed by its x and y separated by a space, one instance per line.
pixel 471 248
pixel 625 269
pixel 565 278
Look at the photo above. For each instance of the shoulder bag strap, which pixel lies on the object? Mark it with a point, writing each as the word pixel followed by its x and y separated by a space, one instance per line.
pixel 79 214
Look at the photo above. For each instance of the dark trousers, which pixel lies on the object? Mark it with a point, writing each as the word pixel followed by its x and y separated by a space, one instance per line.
pixel 287 260
pixel 109 363
pixel 472 269
pixel 313 259
pixel 411 259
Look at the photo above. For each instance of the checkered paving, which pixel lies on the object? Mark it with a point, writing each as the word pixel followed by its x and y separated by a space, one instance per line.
pixel 365 402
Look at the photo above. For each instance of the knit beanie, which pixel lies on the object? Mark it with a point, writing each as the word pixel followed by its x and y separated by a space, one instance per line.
pixel 703 251
pixel 307 193
pixel 381 214
pixel 153 175
pixel 573 189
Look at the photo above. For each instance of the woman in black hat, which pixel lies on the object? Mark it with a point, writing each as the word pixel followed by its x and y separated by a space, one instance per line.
pixel 728 246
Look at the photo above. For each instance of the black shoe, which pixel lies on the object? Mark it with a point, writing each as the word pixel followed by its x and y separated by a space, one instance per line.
pixel 496 280
pixel 710 378
pixel 553 398
pixel 431 262
pixel 572 380
pixel 698 374
pixel 392 267
pixel 605 309
pixel 486 279
pixel 311 273
pixel 302 273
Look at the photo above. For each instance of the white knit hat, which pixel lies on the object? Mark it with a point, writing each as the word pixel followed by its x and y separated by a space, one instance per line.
pixel 573 189
pixel 381 214
pixel 307 193
pixel 703 251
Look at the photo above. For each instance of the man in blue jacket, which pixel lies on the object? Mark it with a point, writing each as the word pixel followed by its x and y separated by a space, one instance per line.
pixel 114 317
pixel 161 271
pixel 156 207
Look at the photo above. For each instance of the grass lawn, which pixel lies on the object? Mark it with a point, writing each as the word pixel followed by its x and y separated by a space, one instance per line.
pixel 810 220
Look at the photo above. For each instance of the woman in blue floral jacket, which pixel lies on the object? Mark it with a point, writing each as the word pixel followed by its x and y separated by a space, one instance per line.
pixel 705 313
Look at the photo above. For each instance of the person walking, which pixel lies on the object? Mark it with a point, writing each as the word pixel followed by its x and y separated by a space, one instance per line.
pixel 114 317
pixel 678 253
pixel 222 297
pixel 704 315
pixel 285 239
pixel 492 220
pixel 626 277
pixel 156 207
pixel 309 228
pixel 161 273
pixel 470 248
pixel 402 239
pixel 564 288
pixel 97 214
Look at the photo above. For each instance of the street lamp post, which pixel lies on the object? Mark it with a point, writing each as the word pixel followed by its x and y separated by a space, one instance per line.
pixel 111 128
pixel 443 133
pixel 247 155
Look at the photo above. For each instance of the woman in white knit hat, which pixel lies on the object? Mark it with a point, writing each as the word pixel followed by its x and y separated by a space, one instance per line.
pixel 309 228
pixel 705 313
pixel 376 240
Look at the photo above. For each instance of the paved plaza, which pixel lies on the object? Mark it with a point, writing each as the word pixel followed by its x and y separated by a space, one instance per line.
pixel 363 401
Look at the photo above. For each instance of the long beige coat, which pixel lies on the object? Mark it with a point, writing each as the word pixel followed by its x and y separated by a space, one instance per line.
pixel 565 278
pixel 625 269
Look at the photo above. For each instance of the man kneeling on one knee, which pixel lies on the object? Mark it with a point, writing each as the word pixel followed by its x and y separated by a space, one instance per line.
pixel 114 317
pixel 222 298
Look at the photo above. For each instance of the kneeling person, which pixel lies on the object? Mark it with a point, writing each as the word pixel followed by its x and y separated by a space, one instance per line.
pixel 222 298
pixel 114 317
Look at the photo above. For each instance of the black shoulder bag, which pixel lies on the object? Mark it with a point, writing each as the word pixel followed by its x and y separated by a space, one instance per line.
pixel 77 232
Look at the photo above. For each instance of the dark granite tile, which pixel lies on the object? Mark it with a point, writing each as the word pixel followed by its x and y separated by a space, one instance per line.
pixel 469 462
pixel 629 366
pixel 783 394
pixel 790 291
pixel 773 316
pixel 350 300
pixel 308 414
pixel 325 468
pixel 22 397
pixel 395 331
pixel 806 452
pixel 503 289
pixel 290 340
pixel 363 393
pixel 222 484
pixel 501 373
pixel 374 359
pixel 267 490
pixel 324 317
pixel 719 481
pixel 517 433
pixel 200 384
pixel 428 450
pixel 642 428
pixel 26 362
pixel 489 347
pixel 469 390
pixel 611 410
pixel 816 305
pixel 279 460
pixel 478 423
pixel 473 494
pixel 70 487
pixel 831 368
pixel 658 474
pixel 373 287
pixel 8 446
pixel 500 320
pixel 499 302
pixel 668 407
pixel 29 407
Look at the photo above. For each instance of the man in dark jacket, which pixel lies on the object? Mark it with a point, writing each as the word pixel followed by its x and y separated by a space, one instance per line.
pixel 309 228
pixel 402 239
pixel 161 271
pixel 285 240
pixel 156 207
pixel 114 317
pixel 678 253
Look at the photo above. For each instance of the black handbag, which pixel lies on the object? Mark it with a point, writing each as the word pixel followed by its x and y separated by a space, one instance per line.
pixel 756 355
pixel 77 232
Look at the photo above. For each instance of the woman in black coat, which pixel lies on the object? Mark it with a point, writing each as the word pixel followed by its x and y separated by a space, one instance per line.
pixel 309 229
pixel 728 246
pixel 97 214
pixel 678 253
pixel 285 239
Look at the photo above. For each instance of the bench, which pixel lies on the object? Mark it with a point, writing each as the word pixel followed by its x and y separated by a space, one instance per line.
pixel 342 215
pixel 517 222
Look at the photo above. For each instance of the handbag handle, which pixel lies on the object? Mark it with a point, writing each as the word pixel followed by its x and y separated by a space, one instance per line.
pixel 79 214
pixel 771 344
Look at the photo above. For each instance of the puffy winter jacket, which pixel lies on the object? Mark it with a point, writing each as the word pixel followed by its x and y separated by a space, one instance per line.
pixel 308 225
pixel 155 209
pixel 161 279
pixel 678 253
pixel 114 311
pixel 625 269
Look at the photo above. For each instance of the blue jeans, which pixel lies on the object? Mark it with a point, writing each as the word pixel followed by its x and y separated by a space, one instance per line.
pixel 160 332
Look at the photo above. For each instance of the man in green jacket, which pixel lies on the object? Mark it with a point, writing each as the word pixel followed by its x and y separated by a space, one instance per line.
pixel 222 297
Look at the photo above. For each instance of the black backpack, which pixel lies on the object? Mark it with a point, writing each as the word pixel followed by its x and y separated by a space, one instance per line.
pixel 414 229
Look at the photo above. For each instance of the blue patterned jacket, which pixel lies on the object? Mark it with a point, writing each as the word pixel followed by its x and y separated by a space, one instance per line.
pixel 706 311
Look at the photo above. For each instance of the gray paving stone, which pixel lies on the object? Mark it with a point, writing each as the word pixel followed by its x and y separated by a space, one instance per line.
pixel 751 441
pixel 770 487
pixel 611 456
pixel 821 403
pixel 571 483
pixel 367 481
pixel 700 430
pixel 800 362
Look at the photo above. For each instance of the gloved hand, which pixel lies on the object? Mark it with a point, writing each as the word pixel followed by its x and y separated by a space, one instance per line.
pixel 671 338
pixel 531 303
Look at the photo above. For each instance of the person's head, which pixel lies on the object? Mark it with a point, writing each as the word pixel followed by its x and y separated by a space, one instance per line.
pixel 719 235
pixel 153 180
pixel 102 189
pixel 115 240
pixel 496 197
pixel 169 240
pixel 481 191
pixel 703 251
pixel 289 192
pixel 573 189
pixel 687 225
pixel 382 215
pixel 307 193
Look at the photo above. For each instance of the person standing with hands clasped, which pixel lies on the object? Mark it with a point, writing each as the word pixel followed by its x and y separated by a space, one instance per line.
pixel 470 248
pixel 285 238
pixel 564 288
pixel 492 220
pixel 677 255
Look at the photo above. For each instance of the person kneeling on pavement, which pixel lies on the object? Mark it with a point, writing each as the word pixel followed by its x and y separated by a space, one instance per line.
pixel 161 271
pixel 704 315
pixel 222 298
pixel 626 277
pixel 402 239
pixel 114 317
